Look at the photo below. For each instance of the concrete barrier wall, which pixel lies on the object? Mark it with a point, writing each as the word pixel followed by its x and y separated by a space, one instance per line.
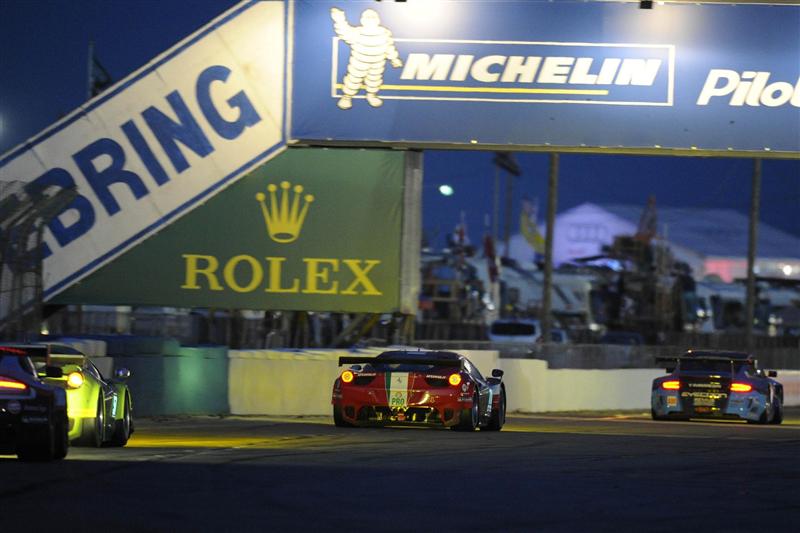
pixel 299 383
pixel 213 380
pixel 193 382
pixel 790 379
pixel 284 382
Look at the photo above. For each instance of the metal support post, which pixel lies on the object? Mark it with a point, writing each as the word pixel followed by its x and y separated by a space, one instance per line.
pixel 552 202
pixel 755 202
pixel 507 218
pixel 496 205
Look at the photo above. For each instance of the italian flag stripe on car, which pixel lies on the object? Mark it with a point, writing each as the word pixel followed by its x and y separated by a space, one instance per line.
pixel 397 389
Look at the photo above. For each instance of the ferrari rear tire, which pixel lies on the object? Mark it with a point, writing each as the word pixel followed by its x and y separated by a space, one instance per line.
pixel 92 430
pixel 468 420
pixel 338 419
pixel 498 418
pixel 122 427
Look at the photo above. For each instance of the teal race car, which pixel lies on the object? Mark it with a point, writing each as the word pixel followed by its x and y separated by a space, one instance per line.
pixel 100 410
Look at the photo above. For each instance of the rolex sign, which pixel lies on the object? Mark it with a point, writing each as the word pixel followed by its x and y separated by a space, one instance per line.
pixel 314 229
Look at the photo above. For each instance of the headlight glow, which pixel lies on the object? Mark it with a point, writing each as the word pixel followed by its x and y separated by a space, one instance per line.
pixel 75 380
pixel 455 379
pixel 347 376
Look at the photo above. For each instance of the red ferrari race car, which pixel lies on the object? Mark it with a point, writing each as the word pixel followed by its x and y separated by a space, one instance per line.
pixel 418 388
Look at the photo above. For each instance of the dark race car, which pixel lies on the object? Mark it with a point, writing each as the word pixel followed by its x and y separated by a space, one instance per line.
pixel 418 388
pixel 33 415
pixel 710 384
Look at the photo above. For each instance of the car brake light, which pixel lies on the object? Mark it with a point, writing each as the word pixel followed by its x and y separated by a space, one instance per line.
pixel 741 387
pixel 672 384
pixel 75 380
pixel 11 384
pixel 454 379
pixel 347 376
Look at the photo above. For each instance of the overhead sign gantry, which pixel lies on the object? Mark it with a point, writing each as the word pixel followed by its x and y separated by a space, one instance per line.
pixel 681 79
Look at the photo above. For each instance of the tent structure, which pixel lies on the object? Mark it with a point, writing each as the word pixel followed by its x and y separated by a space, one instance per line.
pixel 711 241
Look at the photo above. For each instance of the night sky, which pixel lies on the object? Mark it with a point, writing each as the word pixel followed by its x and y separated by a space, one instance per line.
pixel 43 63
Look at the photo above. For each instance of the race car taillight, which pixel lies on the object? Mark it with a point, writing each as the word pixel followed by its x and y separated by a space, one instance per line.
pixel 75 380
pixel 672 384
pixel 347 376
pixel 454 380
pixel 11 385
pixel 741 387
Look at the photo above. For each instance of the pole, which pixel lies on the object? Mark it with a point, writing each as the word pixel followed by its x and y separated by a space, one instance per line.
pixel 552 201
pixel 507 221
pixel 755 202
pixel 496 205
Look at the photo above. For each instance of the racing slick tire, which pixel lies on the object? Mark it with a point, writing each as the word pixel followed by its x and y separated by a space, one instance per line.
pixel 498 418
pixel 468 419
pixel 654 416
pixel 123 428
pixel 338 420
pixel 777 412
pixel 61 436
pixel 41 449
pixel 92 430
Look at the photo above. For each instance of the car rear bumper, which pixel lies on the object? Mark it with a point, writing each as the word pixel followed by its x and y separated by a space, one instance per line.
pixel 671 404
pixel 431 409
pixel 21 428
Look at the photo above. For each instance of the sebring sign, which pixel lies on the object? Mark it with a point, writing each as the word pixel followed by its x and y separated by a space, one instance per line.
pixel 160 142
pixel 592 76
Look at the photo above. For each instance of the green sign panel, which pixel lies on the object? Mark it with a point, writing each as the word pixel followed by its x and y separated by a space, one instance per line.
pixel 313 229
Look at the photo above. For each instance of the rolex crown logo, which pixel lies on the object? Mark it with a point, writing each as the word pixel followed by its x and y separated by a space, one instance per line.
pixel 284 217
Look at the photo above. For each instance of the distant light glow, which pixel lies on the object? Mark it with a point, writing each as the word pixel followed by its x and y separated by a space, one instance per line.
pixel 446 190
pixel 787 270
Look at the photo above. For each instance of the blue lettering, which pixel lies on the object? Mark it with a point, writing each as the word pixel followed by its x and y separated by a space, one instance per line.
pixel 101 180
pixel 145 153
pixel 58 177
pixel 186 130
pixel 247 113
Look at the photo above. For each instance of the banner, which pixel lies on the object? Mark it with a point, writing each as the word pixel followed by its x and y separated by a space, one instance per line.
pixel 313 229
pixel 592 76
pixel 159 142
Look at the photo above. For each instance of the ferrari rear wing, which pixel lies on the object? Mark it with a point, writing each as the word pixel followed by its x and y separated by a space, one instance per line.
pixel 449 363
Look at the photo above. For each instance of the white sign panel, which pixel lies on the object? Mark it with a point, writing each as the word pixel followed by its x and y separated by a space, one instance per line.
pixel 159 142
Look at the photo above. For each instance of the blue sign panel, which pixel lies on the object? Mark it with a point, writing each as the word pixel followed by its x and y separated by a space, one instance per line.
pixel 707 77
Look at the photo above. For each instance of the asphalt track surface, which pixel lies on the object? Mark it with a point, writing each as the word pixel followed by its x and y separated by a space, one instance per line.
pixel 612 472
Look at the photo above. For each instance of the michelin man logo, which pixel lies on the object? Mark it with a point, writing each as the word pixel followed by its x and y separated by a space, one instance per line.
pixel 371 45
